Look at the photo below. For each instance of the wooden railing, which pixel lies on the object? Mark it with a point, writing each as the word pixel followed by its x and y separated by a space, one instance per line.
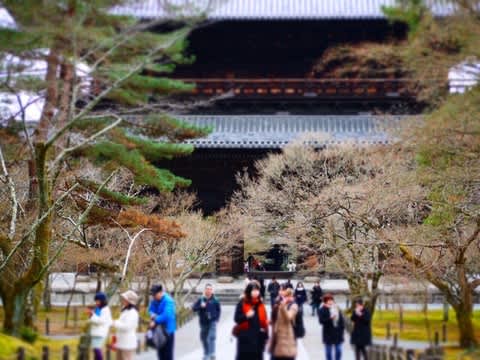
pixel 302 87
pixel 383 352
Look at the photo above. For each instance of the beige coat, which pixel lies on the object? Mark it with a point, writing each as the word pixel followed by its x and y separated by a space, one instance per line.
pixel 283 342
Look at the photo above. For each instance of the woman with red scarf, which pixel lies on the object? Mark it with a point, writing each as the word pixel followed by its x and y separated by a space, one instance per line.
pixel 251 317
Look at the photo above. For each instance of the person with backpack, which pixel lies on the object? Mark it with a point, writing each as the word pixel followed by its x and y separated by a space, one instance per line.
pixel 317 294
pixel 100 321
pixel 283 345
pixel 209 311
pixel 251 327
pixel 333 323
pixel 362 332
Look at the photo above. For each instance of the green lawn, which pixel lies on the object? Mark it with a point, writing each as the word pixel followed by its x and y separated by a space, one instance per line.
pixel 9 347
pixel 417 326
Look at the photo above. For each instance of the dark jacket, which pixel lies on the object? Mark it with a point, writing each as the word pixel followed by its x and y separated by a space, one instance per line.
pixel 210 313
pixel 332 335
pixel 317 294
pixel 273 288
pixel 250 344
pixel 362 332
pixel 300 296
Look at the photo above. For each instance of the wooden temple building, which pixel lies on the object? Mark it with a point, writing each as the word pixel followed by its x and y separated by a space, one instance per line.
pixel 258 56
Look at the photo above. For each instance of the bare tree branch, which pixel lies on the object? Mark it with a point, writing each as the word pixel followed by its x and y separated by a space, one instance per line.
pixel 35 225
pixel 13 196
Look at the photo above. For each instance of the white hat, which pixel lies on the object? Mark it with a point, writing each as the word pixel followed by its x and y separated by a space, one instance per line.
pixel 130 296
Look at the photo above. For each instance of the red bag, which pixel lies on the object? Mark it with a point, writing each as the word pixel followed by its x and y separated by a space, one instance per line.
pixel 113 342
pixel 236 330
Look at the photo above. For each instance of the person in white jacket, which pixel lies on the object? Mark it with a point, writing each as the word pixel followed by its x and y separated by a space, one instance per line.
pixel 126 326
pixel 100 322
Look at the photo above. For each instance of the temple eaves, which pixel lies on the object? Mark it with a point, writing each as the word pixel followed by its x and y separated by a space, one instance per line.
pixel 276 131
pixel 266 9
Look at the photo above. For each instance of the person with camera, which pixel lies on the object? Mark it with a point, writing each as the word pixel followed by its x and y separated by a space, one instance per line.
pixel 209 310
pixel 362 332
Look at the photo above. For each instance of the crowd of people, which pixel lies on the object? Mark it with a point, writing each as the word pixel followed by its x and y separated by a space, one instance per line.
pixel 286 322
pixel 256 330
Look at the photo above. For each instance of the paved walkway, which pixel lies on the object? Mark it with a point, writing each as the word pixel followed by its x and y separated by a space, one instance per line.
pixel 188 346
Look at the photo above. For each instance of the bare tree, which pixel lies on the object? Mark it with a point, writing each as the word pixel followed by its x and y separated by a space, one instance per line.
pixel 322 201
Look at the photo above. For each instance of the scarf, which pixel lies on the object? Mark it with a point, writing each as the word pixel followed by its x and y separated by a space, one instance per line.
pixel 259 308
pixel 334 311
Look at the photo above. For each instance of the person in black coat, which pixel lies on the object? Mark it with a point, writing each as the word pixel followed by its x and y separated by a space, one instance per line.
pixel 362 332
pixel 252 324
pixel 273 289
pixel 300 295
pixel 333 324
pixel 317 294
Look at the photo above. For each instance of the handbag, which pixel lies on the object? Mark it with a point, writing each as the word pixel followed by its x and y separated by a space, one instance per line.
pixel 156 337
pixel 236 330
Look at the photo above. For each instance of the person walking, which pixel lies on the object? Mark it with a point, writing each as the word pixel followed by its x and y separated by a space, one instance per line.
pixel 289 284
pixel 261 281
pixel 317 294
pixel 362 332
pixel 209 311
pixel 300 295
pixel 276 305
pixel 283 345
pixel 333 323
pixel 126 326
pixel 273 289
pixel 100 321
pixel 162 313
pixel 252 324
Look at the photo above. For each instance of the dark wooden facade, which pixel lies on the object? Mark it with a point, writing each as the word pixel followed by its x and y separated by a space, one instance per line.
pixel 266 67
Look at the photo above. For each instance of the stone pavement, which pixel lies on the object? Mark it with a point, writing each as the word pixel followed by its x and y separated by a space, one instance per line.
pixel 188 346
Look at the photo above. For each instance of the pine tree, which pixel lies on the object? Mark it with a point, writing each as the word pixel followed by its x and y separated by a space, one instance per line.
pixel 96 79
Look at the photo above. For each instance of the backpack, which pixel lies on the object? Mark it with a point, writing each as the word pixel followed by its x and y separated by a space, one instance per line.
pixel 298 327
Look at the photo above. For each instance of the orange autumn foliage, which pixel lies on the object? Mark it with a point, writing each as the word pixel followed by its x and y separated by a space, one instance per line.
pixel 162 227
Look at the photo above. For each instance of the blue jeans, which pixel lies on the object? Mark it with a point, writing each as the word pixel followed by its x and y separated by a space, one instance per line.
pixel 338 351
pixel 166 352
pixel 208 335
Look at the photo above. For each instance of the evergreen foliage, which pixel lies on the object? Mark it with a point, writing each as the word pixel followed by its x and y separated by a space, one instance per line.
pixel 97 70
pixel 410 12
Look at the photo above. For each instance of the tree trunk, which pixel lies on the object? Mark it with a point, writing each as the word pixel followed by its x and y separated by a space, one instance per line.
pixel 14 311
pixel 98 288
pixel 371 302
pixel 358 287
pixel 47 294
pixel 464 314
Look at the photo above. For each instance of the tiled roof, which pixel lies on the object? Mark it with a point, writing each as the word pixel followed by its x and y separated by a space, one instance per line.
pixel 267 9
pixel 276 131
